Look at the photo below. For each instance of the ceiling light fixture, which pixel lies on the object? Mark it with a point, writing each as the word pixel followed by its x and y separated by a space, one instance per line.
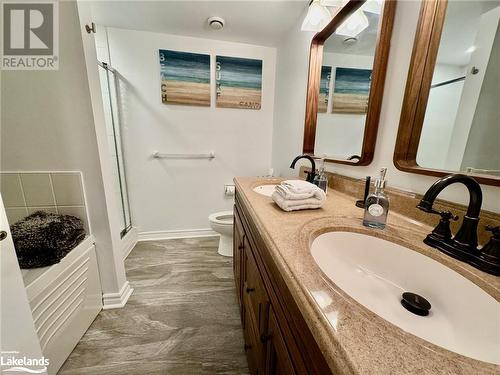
pixel 333 3
pixel 373 6
pixel 317 17
pixel 470 49
pixel 354 25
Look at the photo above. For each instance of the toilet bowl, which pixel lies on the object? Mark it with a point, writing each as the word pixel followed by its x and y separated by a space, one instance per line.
pixel 222 223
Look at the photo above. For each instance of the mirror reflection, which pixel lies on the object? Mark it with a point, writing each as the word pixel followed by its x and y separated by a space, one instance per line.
pixel 461 129
pixel 346 73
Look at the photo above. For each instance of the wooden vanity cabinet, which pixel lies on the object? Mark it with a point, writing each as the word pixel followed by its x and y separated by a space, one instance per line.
pixel 277 339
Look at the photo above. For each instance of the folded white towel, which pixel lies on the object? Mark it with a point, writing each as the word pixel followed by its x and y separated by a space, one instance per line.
pixel 299 204
pixel 287 193
pixel 299 186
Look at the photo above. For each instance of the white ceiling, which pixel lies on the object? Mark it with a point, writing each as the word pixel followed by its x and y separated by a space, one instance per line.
pixel 261 22
pixel 460 29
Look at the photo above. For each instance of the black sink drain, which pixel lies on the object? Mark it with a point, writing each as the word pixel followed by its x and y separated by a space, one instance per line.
pixel 416 304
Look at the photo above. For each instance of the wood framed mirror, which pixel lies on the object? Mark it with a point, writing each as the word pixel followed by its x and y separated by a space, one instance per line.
pixel 450 119
pixel 347 68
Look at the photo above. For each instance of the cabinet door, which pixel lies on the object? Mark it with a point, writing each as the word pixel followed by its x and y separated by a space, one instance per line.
pixel 255 294
pixel 238 250
pixel 278 360
pixel 253 346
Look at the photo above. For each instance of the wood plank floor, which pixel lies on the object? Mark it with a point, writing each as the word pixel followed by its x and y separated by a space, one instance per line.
pixel 182 318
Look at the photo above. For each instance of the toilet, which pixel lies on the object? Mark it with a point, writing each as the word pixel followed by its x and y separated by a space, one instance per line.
pixel 222 223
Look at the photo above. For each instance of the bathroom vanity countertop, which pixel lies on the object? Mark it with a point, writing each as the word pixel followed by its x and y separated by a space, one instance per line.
pixel 353 339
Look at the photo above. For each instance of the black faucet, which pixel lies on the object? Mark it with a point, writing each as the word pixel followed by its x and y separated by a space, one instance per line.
pixel 312 173
pixel 464 245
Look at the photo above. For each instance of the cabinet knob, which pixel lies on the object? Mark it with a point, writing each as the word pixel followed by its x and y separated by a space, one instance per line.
pixel 241 247
pixel 265 337
pixel 3 235
pixel 250 289
pixel 247 347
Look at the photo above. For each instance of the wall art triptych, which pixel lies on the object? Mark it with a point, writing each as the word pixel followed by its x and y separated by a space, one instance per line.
pixel 351 90
pixel 185 79
pixel 324 88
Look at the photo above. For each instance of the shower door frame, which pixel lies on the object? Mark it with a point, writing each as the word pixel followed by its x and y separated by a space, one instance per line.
pixel 119 158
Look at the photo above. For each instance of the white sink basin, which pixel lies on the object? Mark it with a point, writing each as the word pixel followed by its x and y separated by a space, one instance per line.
pixel 266 190
pixel 463 318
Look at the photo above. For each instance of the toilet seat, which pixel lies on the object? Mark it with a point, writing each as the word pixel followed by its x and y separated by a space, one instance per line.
pixel 222 218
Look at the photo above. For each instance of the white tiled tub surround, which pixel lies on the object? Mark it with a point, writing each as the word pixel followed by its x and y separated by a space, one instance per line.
pixel 58 192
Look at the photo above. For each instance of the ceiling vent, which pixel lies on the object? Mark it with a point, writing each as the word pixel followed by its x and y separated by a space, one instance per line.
pixel 350 41
pixel 216 23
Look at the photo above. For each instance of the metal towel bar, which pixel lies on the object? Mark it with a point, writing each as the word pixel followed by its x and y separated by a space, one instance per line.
pixel 159 155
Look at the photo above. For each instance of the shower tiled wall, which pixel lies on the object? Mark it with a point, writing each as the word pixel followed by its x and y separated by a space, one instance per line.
pixel 58 192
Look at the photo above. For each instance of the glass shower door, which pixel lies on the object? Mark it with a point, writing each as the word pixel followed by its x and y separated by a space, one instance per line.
pixel 109 89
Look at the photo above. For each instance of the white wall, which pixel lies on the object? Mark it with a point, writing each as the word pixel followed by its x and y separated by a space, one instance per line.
pixel 483 44
pixel 440 116
pixel 292 65
pixel 340 135
pixel 47 124
pixel 173 195
pixel 483 148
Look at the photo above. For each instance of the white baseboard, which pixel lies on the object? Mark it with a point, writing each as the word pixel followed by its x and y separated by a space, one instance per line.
pixel 129 241
pixel 172 234
pixel 117 300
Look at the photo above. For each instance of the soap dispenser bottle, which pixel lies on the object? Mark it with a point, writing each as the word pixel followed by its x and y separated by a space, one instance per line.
pixel 377 204
pixel 321 180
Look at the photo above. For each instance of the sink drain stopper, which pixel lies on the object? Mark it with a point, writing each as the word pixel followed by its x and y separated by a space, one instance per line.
pixel 416 304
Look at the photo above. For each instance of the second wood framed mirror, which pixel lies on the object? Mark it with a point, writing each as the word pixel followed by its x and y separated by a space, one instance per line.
pixel 347 66
pixel 450 115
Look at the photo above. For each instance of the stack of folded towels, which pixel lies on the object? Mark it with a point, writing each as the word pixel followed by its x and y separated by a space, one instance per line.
pixel 293 195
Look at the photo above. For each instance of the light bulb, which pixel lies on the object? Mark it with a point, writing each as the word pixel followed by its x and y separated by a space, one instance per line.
pixel 333 3
pixel 317 17
pixel 372 6
pixel 355 24
pixel 470 49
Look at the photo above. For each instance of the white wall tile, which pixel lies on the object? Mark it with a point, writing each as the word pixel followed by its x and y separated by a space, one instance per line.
pixel 68 189
pixel 10 187
pixel 52 209
pixel 37 189
pixel 16 214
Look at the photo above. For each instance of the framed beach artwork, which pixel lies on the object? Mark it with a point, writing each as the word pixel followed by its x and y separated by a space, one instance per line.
pixel 351 90
pixel 324 88
pixel 238 82
pixel 185 78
